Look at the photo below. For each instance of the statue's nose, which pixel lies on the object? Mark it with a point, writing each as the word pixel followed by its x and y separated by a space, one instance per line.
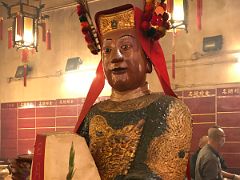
pixel 117 56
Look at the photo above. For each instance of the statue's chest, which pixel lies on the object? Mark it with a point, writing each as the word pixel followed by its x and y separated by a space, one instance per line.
pixel 116 137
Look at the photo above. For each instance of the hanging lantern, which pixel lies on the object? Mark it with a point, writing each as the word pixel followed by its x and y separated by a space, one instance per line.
pixel 25 24
pixel 25 32
pixel 179 9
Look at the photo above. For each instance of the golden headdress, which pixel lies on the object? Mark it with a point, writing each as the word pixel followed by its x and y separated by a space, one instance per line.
pixel 154 21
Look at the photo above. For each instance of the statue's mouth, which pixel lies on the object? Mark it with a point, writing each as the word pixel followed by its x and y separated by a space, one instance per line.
pixel 119 70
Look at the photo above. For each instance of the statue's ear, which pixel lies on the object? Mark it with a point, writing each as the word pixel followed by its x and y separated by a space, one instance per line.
pixel 149 65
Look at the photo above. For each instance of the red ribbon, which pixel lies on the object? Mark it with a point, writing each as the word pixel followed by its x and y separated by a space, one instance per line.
pixel 94 91
pixel 154 51
pixel 49 46
pixel 199 14
pixel 38 158
pixel 1 28
pixel 10 40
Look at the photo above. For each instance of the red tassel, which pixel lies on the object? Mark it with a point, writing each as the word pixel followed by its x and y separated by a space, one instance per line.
pixel 25 75
pixel 10 39
pixel 49 40
pixel 199 14
pixel 188 175
pixel 25 54
pixel 173 65
pixel 19 25
pixel 174 54
pixel 1 28
pixel 44 31
pixel 170 6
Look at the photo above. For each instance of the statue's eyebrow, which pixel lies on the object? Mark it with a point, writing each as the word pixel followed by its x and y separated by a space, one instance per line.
pixel 128 35
pixel 106 40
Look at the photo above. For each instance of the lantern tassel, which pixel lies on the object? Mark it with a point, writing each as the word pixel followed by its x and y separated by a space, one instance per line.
pixel 170 6
pixel 44 31
pixel 10 39
pixel 33 50
pixel 1 28
pixel 48 40
pixel 19 25
pixel 25 53
pixel 199 14
pixel 25 75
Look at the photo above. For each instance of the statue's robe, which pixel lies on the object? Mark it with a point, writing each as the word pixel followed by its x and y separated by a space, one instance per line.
pixel 144 138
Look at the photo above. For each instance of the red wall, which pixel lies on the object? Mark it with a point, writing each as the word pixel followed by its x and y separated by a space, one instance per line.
pixel 221 107
pixel 21 121
pixel 209 107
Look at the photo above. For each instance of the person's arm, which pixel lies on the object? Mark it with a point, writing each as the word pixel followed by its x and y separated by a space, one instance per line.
pixel 230 175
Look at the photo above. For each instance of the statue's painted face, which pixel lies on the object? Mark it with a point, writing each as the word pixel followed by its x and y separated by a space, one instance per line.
pixel 124 62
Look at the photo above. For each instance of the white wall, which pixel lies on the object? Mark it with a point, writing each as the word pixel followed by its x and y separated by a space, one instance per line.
pixel 220 17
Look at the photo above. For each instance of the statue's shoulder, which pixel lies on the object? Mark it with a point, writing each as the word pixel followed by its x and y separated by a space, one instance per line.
pixel 168 153
pixel 172 103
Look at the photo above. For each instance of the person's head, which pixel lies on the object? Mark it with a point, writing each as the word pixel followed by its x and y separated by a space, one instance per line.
pixel 124 61
pixel 216 136
pixel 203 141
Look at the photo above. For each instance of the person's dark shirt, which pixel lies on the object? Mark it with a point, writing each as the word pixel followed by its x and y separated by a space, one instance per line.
pixel 193 161
pixel 208 158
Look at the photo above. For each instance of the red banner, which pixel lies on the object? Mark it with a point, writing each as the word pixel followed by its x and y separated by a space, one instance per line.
pixel 38 158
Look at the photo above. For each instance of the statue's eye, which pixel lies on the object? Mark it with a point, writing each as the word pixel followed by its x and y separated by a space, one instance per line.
pixel 107 50
pixel 125 47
